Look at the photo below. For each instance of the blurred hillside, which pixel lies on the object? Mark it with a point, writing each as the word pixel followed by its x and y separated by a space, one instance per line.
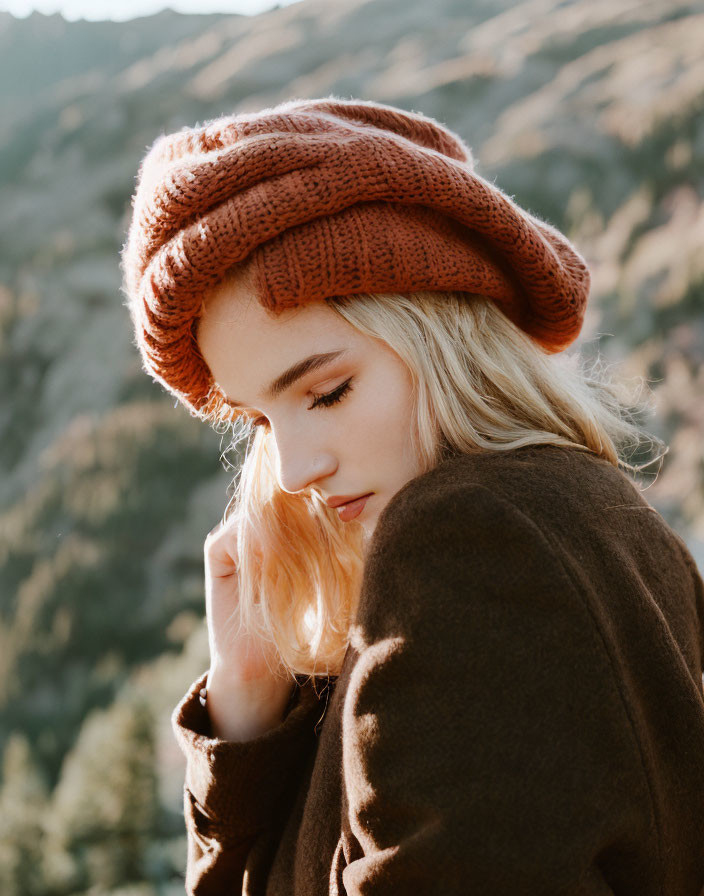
pixel 589 113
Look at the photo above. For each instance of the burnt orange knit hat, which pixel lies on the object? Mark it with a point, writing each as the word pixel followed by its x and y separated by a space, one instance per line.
pixel 329 197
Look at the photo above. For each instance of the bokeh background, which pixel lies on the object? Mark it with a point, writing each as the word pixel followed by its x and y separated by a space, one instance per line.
pixel 589 113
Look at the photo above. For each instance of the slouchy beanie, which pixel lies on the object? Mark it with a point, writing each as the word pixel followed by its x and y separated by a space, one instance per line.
pixel 329 197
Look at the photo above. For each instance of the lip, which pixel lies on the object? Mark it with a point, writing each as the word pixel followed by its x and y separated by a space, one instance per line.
pixel 338 500
pixel 353 508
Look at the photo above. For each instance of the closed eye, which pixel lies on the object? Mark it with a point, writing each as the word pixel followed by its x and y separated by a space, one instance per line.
pixel 326 400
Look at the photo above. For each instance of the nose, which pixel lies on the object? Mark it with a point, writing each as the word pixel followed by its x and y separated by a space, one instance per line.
pixel 301 463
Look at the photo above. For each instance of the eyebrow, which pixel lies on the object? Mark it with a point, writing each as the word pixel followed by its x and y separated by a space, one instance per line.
pixel 294 373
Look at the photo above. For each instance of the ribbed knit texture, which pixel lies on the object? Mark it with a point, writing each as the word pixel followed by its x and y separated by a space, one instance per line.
pixel 329 197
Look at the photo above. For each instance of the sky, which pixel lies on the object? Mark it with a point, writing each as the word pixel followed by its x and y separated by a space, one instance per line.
pixel 121 10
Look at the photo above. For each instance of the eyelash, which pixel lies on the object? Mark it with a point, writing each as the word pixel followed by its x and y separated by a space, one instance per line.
pixel 326 400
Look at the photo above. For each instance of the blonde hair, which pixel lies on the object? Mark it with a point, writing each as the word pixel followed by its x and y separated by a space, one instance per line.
pixel 480 384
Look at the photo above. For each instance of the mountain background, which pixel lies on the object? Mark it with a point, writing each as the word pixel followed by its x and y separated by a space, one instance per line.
pixel 588 112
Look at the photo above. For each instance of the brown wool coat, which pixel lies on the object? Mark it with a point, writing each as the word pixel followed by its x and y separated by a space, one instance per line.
pixel 520 711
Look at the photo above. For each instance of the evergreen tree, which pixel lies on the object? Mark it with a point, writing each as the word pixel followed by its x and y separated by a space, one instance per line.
pixel 104 808
pixel 23 801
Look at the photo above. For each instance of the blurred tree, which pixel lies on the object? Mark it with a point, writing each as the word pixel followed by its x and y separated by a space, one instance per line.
pixel 23 800
pixel 104 808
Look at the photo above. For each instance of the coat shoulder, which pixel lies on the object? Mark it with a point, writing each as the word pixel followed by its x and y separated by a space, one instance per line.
pixel 448 536
pixel 547 483
pixel 476 519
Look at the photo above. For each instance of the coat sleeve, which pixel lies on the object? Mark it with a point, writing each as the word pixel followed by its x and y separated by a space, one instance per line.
pixel 235 791
pixel 487 747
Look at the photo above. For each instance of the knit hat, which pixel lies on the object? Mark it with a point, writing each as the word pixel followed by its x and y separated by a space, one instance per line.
pixel 329 197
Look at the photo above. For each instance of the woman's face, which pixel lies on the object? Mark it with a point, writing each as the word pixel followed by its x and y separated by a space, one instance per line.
pixel 341 428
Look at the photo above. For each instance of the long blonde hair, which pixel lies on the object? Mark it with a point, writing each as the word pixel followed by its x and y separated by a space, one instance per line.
pixel 480 384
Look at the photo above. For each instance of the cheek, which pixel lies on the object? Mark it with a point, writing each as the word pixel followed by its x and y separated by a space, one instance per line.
pixel 388 409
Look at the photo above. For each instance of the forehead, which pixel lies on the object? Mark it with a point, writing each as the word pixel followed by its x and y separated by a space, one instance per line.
pixel 247 346
pixel 233 317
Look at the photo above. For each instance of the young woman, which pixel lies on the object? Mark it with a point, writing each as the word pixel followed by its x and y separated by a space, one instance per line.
pixel 453 648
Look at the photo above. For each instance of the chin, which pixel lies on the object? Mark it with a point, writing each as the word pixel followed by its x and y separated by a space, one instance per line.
pixel 369 525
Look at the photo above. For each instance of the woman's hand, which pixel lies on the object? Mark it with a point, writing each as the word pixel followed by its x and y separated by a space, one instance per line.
pixel 245 697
